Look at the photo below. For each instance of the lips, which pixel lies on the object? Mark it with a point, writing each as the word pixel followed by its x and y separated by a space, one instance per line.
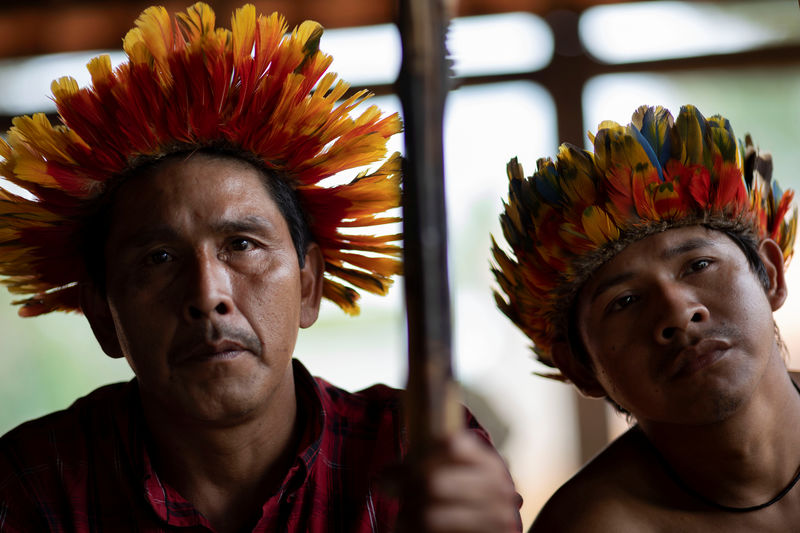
pixel 700 355
pixel 216 351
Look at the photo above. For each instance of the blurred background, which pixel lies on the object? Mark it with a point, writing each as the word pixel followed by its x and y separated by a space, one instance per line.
pixel 529 74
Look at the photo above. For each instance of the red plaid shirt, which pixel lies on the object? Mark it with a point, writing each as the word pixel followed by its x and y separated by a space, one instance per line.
pixel 87 468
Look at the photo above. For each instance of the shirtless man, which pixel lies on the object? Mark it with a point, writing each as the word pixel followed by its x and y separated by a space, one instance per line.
pixel 647 272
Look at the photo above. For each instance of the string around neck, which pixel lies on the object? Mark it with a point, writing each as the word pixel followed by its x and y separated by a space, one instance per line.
pixel 711 503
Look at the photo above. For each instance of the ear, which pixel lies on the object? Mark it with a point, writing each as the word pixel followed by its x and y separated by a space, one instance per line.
pixel 95 307
pixel 581 375
pixel 311 279
pixel 772 256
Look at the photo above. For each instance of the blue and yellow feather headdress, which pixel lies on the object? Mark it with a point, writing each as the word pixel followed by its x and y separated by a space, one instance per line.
pixel 578 211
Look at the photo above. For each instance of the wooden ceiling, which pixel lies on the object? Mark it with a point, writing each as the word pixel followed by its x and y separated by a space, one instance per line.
pixel 30 27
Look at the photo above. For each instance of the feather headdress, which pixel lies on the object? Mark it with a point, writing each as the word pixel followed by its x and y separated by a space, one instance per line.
pixel 189 83
pixel 577 212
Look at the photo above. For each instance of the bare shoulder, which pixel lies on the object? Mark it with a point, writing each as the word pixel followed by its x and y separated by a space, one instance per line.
pixel 613 492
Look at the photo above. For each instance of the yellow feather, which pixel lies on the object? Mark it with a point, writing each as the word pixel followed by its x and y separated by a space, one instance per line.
pixel 608 124
pixel 371 113
pixel 514 170
pixel 198 20
pixel 576 171
pixel 100 69
pixel 284 112
pixel 308 35
pixel 367 281
pixel 269 32
pixel 133 44
pixel 223 39
pixel 63 88
pixel 602 144
pixel 598 226
pixel 34 171
pixel 341 295
pixel 156 34
pixel 688 125
pixel 788 236
pixel 5 149
pixel 37 131
pixel 243 28
pixel 384 266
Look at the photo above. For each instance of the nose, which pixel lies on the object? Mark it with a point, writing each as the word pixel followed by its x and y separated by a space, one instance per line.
pixel 208 289
pixel 678 310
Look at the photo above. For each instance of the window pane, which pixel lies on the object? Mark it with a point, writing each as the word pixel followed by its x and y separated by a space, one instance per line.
pixel 369 55
pixel 659 30
pixel 492 44
pixel 496 44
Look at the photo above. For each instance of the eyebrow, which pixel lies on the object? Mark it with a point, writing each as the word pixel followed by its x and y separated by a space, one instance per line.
pixel 610 282
pixel 669 253
pixel 148 235
pixel 163 232
pixel 249 223
pixel 686 246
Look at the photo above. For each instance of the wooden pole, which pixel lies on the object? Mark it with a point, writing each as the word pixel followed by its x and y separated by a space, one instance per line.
pixel 432 407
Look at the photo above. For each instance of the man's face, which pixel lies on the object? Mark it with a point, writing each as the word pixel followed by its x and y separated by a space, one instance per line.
pixel 204 291
pixel 677 326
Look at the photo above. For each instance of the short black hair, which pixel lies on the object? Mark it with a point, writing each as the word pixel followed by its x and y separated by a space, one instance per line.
pixel 748 244
pixel 744 240
pixel 94 235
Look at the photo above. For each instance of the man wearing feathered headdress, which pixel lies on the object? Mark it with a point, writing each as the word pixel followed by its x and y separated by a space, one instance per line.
pixel 647 271
pixel 181 206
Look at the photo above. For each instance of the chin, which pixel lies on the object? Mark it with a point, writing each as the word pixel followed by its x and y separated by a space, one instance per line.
pixel 221 403
pixel 709 409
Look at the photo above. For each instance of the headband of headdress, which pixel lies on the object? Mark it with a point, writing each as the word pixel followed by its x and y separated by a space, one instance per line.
pixel 577 212
pixel 188 83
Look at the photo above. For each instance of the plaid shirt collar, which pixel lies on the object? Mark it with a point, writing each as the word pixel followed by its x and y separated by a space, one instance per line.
pixel 173 508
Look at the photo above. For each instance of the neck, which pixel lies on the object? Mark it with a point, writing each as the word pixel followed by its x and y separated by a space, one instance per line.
pixel 745 459
pixel 227 471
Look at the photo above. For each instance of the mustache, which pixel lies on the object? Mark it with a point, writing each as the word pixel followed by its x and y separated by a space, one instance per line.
pixel 726 332
pixel 213 334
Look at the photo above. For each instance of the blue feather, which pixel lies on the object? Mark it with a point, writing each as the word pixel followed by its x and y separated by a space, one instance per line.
pixel 648 149
pixel 546 182
pixel 656 126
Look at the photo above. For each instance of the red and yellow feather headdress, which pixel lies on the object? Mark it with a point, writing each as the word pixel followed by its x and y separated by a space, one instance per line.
pixel 578 211
pixel 189 83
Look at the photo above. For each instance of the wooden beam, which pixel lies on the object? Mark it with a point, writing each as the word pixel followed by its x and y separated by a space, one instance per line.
pixel 53 27
pixel 31 27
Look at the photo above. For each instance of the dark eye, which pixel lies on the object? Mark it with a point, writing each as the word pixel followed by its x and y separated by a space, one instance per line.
pixel 241 245
pixel 159 257
pixel 700 264
pixel 623 302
